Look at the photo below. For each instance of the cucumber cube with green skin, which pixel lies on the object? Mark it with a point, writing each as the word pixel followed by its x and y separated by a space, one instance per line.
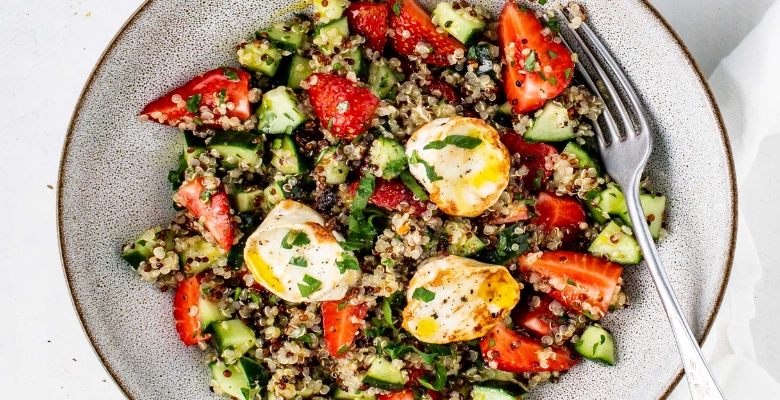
pixel 613 202
pixel 194 146
pixel 286 36
pixel 584 159
pixel 481 54
pixel 497 390
pixel 329 10
pixel 358 65
pixel 238 147
pixel 616 246
pixel 388 156
pixel 503 115
pixel 286 157
pixel 275 193
pixel 278 112
pixel 246 201
pixel 242 380
pixel 232 338
pixel 294 70
pixel 334 171
pixel 551 125
pixel 139 251
pixel 382 374
pixel 260 56
pixel 341 394
pixel 654 208
pixel 458 23
pixel 209 313
pixel 592 200
pixel 463 242
pixel 330 35
pixel 596 344
pixel 197 247
pixel 382 80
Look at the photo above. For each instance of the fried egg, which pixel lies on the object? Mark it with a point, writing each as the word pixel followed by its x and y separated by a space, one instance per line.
pixel 295 257
pixel 461 181
pixel 454 298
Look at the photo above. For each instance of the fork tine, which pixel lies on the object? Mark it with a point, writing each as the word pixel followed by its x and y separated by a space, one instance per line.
pixel 621 76
pixel 628 125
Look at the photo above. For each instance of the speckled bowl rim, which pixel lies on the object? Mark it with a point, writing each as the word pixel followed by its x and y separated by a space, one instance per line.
pixel 683 47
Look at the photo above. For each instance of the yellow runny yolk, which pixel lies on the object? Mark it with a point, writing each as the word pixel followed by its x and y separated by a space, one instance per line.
pixel 262 271
pixel 427 327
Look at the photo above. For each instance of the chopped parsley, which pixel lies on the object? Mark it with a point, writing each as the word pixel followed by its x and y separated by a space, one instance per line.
pixel 491 343
pixel 337 66
pixel 193 102
pixel 397 7
pixel 231 75
pixel 423 294
pixel 309 285
pixel 429 170
pixel 412 184
pixel 206 196
pixel 462 141
pixel 530 62
pixel 364 191
pixel 552 23
pixel 343 349
pixel 342 305
pixel 197 121
pixel 298 261
pixel 571 282
pixel 295 238
pixel 440 381
pixel 348 261
pixel 222 96
pixel 552 54
pixel 567 73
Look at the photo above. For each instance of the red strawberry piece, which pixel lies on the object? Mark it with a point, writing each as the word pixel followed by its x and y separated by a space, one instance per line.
pixel 370 21
pixel 188 326
pixel 223 86
pixel 406 394
pixel 390 194
pixel 411 26
pixel 344 107
pixel 533 156
pixel 520 31
pixel 512 352
pixel 444 91
pixel 211 205
pixel 563 212
pixel 576 279
pixel 539 320
pixel 337 322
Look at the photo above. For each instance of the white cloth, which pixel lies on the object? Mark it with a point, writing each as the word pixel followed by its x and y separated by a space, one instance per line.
pixel 746 86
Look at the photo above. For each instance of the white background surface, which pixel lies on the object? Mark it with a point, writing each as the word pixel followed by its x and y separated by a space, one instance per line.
pixel 47 50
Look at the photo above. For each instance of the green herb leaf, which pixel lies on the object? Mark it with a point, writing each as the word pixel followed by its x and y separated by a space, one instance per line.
pixel 237 294
pixel 343 349
pixel 206 196
pixel 309 285
pixel 222 96
pixel 552 54
pixel 541 75
pixel 440 381
pixel 330 123
pixel 522 7
pixel 298 261
pixel 342 305
pixel 505 250
pixel 530 62
pixel 364 191
pixel 552 23
pixel 388 313
pixel 542 2
pixel 567 73
pixel 462 141
pixel 337 66
pixel 553 80
pixel 305 338
pixel 429 170
pixel 295 238
pixel 423 294
pixel 571 282
pixel 412 184
pixel 231 75
pixel 197 121
pixel 193 102
pixel 348 261
pixel 397 7
pixel 537 182
pixel 595 345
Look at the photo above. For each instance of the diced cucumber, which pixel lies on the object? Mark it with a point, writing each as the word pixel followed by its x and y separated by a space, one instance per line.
pixel 209 313
pixel 329 10
pixel 584 159
pixel 552 125
pixel 340 394
pixel 278 112
pixel 194 146
pixel 481 54
pixel 612 201
pixel 388 156
pixel 384 375
pixel 459 23
pixel 286 36
pixel 295 70
pixel 285 155
pixel 596 344
pixel 260 56
pixel 654 208
pixel 497 390
pixel 232 338
pixel 246 201
pixel 358 64
pixel 490 374
pixel 332 34
pixel 237 147
pixel 463 241
pixel 197 247
pixel 616 245
pixel 382 80
pixel 503 115
pixel 243 380
pixel 139 251
pixel 592 200
pixel 334 171
pixel 275 193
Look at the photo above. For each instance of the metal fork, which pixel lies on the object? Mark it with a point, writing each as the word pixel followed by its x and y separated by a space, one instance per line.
pixel 625 155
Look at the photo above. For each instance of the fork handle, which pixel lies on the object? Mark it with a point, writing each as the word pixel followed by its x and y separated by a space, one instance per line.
pixel 701 382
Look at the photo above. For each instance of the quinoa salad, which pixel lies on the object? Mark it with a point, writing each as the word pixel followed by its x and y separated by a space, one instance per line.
pixel 382 202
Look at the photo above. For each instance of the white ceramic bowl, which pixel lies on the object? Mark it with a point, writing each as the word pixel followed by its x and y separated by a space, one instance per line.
pixel 113 186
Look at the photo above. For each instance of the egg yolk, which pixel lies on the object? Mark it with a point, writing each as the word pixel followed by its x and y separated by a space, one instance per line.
pixel 427 327
pixel 262 271
pixel 500 293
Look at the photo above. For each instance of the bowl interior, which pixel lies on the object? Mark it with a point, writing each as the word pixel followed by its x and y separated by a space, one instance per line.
pixel 113 186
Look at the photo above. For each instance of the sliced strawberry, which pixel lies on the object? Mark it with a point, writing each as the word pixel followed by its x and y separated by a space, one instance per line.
pixel 186 297
pixel 389 194
pixel 529 90
pixel 576 279
pixel 214 88
pixel 443 91
pixel 211 205
pixel 563 212
pixel 343 106
pixel 341 322
pixel 539 320
pixel 518 354
pixel 370 21
pixel 411 26
pixel 406 394
pixel 533 156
